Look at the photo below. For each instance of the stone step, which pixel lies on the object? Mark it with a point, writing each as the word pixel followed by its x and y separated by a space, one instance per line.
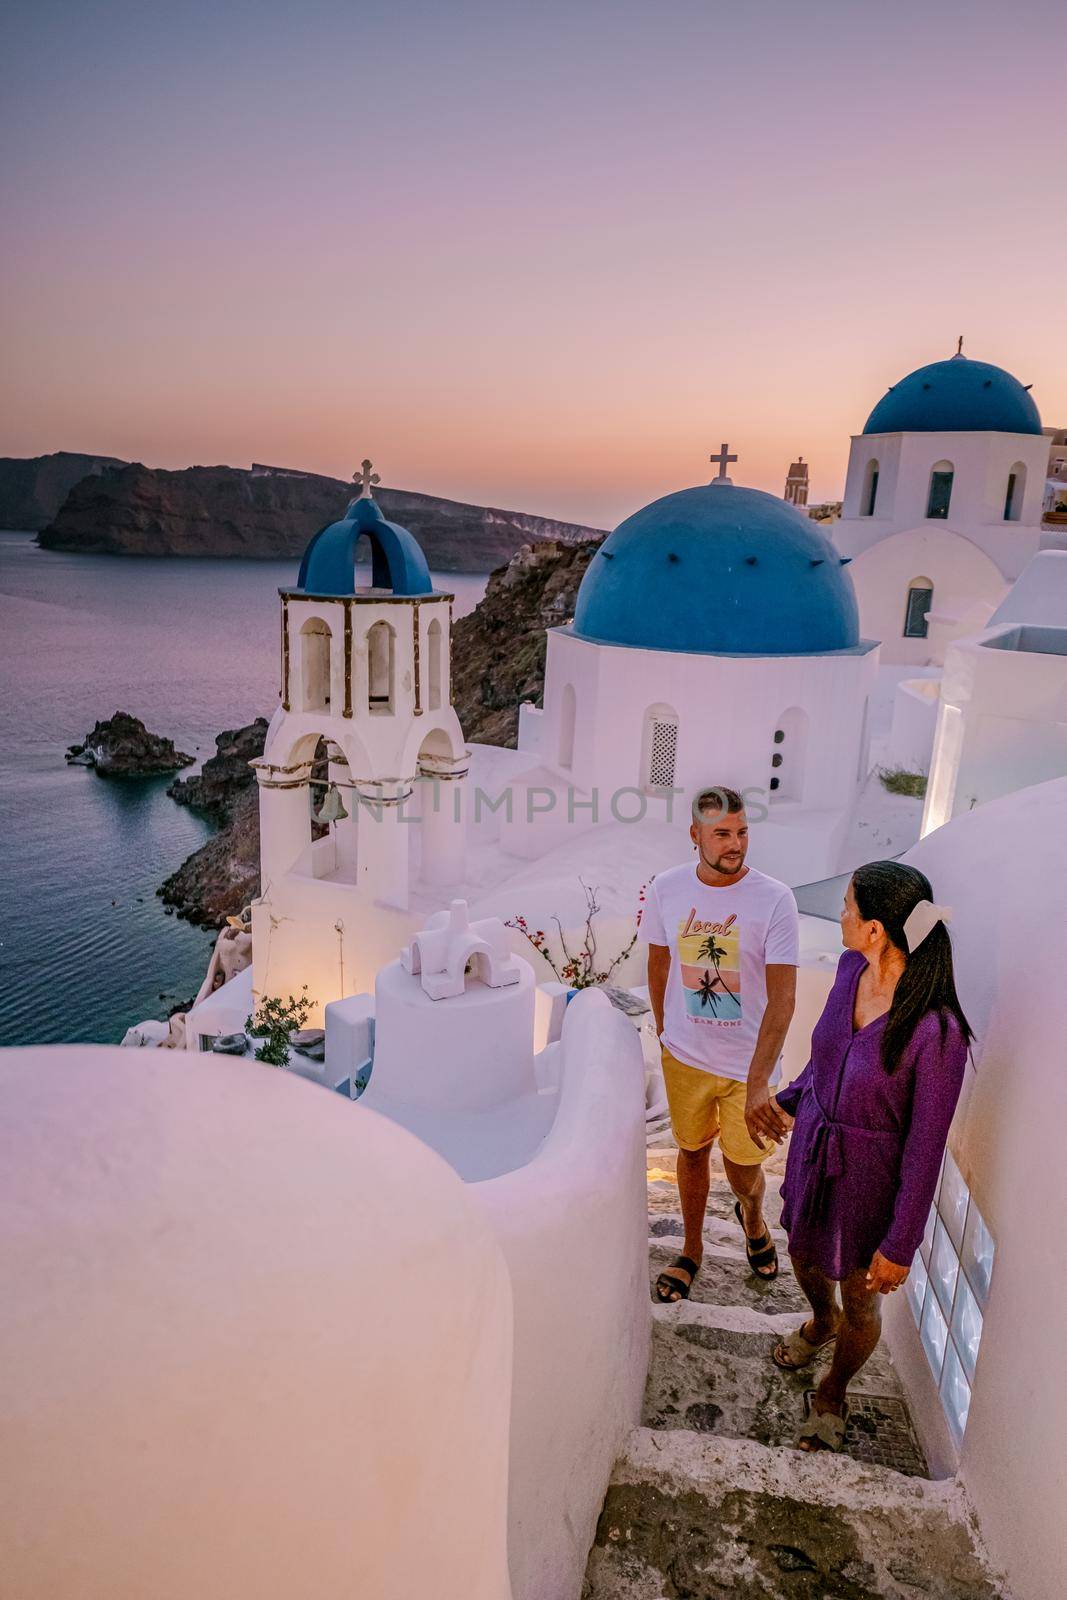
pixel 711 1371
pixel 707 1518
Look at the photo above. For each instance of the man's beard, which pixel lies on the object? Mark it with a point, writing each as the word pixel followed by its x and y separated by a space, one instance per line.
pixel 736 860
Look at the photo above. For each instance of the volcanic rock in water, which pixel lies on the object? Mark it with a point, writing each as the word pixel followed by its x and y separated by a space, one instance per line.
pixel 271 514
pixel 226 774
pixel 122 747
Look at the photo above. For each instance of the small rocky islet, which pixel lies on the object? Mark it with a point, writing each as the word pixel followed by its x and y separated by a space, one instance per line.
pixel 122 747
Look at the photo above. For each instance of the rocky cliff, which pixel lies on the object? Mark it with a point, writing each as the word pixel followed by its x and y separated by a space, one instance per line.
pixel 216 788
pixel 32 488
pixel 498 651
pixel 271 515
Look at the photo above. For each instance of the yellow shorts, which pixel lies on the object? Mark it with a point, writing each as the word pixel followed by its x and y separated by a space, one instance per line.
pixel 704 1106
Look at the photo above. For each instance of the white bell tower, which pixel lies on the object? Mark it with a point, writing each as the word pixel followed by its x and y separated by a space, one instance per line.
pixel 366 710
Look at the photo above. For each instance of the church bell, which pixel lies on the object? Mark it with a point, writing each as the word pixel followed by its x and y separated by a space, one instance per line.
pixel 333 807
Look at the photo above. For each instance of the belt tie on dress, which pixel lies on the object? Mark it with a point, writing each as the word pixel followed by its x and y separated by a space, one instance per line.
pixel 827 1159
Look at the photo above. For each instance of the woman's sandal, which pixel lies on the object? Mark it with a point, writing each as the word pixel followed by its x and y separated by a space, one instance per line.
pixel 759 1253
pixel 825 1429
pixel 675 1289
pixel 795 1352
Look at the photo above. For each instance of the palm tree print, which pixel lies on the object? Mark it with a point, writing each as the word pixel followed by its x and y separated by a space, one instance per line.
pixel 711 951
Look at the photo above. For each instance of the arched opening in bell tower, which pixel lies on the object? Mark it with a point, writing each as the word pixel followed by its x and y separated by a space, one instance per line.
pixel 435 649
pixel 381 669
pixel 315 665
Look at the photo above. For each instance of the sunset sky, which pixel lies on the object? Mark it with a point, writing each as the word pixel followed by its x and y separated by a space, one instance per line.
pixel 540 256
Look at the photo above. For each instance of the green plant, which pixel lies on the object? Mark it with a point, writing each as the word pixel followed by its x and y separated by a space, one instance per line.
pixel 275 1021
pixel 898 780
pixel 578 969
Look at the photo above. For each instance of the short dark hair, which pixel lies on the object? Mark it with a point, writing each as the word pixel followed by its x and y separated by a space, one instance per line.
pixel 717 798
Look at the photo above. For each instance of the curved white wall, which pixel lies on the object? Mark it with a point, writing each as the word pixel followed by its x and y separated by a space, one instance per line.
pixel 260 1346
pixel 1003 869
pixel 573 1226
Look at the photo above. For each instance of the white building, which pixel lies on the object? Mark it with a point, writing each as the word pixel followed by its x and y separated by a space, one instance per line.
pixel 1002 711
pixel 943 503
pixel 715 640
pixel 366 679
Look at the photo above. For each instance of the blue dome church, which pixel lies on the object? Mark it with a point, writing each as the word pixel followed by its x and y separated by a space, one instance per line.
pixel 942 504
pixel 715 639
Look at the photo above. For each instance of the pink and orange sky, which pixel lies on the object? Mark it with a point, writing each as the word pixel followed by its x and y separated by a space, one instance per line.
pixel 539 256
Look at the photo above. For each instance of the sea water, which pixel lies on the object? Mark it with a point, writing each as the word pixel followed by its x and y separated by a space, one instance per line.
pixel 190 647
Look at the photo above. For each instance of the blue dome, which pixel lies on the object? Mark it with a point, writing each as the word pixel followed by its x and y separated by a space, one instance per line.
pixel 397 561
pixel 956 396
pixel 719 570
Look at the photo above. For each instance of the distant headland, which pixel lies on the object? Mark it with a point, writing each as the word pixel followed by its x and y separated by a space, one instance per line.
pixel 92 505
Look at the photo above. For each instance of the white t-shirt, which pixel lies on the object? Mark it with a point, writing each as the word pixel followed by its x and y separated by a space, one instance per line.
pixel 721 942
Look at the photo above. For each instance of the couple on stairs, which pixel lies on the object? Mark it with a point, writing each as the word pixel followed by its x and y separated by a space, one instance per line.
pixel 869 1114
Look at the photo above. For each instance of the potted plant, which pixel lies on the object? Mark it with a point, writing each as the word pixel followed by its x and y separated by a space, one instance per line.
pixel 274 1022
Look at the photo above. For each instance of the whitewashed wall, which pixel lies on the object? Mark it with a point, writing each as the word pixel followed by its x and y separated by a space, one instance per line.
pixel 981 462
pixel 962 575
pixel 575 1218
pixel 261 1345
pixel 1006 1141
pixel 1001 724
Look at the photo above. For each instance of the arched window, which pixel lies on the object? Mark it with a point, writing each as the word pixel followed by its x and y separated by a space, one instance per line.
pixel 790 741
pixel 659 747
pixel 381 668
pixel 1013 495
pixel 568 710
pixel 940 496
pixel 315 665
pixel 920 599
pixel 870 490
pixel 435 646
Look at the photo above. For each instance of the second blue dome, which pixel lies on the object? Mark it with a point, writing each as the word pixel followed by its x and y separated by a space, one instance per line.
pixel 956 396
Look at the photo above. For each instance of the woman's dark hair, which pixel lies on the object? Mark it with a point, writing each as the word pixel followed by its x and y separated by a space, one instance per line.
pixel 887 892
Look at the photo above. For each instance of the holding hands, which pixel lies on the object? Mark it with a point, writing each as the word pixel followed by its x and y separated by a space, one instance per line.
pixel 764 1117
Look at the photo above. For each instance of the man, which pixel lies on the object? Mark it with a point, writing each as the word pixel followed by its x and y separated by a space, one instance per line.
pixel 722 968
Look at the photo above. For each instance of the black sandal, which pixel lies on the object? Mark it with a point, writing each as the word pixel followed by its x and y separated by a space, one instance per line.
pixel 676 1289
pixel 761 1252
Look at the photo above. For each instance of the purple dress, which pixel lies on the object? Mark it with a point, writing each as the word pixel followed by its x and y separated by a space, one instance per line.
pixel 866 1148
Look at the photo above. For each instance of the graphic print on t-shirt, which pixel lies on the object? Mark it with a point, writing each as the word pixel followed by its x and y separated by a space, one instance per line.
pixel 709 960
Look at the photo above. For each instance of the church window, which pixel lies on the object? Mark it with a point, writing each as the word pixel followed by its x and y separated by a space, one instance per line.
pixel 788 758
pixel 870 490
pixel 381 668
pixel 567 714
pixel 920 596
pixel 660 747
pixel 1013 497
pixel 435 651
pixel 940 495
pixel 315 665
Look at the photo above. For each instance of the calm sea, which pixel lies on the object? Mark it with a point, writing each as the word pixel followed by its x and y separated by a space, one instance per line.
pixel 190 647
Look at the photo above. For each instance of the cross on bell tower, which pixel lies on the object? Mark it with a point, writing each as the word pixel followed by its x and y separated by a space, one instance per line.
pixel 365 480
pixel 723 458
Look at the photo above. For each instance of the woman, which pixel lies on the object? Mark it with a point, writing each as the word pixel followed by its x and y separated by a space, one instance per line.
pixel 872 1109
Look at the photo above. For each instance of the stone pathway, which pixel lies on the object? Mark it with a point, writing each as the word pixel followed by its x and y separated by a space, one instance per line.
pixel 710 1501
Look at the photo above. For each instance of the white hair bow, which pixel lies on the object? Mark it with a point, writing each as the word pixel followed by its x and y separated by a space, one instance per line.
pixel 921 919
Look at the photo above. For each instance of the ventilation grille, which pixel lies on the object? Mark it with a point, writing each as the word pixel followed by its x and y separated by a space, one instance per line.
pixel 661 755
